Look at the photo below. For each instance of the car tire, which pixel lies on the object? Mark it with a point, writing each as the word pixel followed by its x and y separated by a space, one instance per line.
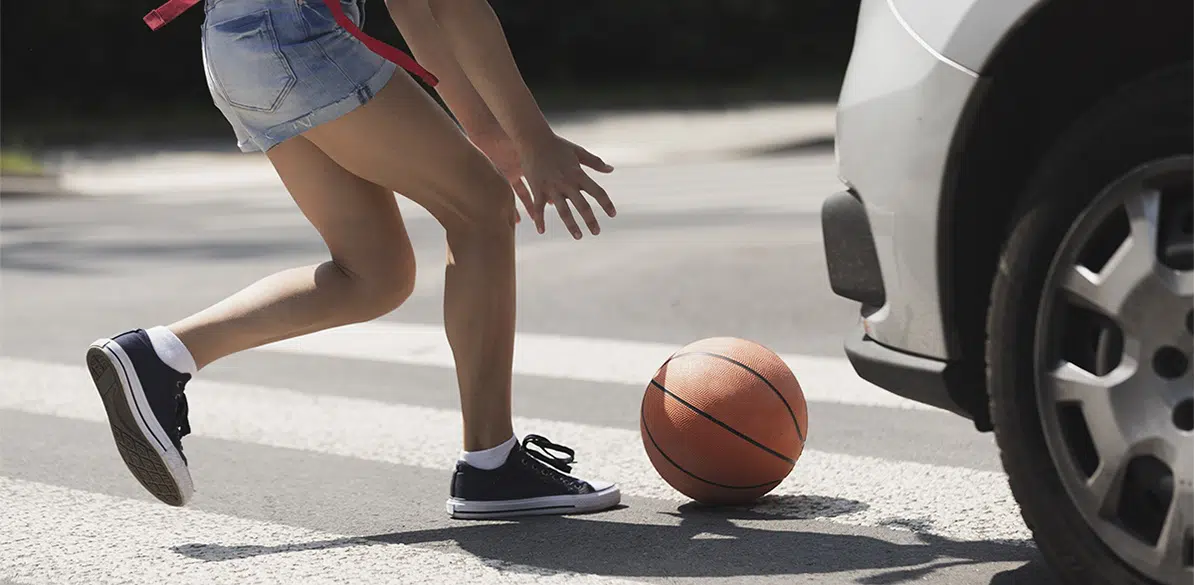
pixel 1147 120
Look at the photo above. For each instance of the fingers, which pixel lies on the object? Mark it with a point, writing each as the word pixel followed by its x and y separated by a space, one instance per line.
pixel 561 197
pixel 582 207
pixel 561 205
pixel 528 203
pixel 588 185
pixel 560 194
pixel 540 199
pixel 571 186
pixel 592 161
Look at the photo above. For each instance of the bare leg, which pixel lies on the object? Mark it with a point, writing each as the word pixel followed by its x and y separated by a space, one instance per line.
pixel 371 272
pixel 403 140
pixel 343 174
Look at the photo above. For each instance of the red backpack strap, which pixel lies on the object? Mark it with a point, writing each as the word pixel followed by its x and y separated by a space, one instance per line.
pixel 167 12
pixel 391 53
pixel 173 8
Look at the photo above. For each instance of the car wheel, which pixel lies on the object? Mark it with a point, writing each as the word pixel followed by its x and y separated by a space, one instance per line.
pixel 1089 342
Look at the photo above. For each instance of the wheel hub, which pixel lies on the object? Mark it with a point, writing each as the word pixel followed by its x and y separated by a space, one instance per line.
pixel 1114 358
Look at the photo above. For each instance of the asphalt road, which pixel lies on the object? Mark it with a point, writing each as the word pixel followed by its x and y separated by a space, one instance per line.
pixel 327 461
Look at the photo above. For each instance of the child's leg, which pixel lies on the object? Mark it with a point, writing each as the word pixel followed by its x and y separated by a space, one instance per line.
pixel 140 375
pixel 402 139
pixel 370 273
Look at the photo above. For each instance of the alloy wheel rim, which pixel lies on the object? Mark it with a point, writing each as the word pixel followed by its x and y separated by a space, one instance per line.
pixel 1113 361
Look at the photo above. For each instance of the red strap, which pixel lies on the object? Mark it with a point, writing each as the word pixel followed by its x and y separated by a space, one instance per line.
pixel 173 8
pixel 167 12
pixel 401 59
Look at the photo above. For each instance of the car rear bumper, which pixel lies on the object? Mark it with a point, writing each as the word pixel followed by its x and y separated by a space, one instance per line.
pixel 854 273
pixel 917 378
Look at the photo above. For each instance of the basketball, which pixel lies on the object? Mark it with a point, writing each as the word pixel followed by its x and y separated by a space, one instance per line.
pixel 724 421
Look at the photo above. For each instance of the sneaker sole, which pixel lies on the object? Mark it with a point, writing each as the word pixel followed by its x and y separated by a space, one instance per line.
pixel 549 505
pixel 142 442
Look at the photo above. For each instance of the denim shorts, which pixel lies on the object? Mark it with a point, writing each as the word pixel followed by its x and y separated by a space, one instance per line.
pixel 277 68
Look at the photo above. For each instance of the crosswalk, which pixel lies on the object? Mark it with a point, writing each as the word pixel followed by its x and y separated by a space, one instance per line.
pixel 64 526
pixel 796 184
pixel 55 531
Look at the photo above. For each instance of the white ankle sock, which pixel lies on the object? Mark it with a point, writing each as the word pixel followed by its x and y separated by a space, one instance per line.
pixel 491 458
pixel 171 350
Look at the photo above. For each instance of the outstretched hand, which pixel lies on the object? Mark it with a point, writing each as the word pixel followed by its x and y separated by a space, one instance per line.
pixel 554 173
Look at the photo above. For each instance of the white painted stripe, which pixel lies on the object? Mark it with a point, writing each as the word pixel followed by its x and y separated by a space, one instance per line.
pixel 952 502
pixel 54 535
pixel 171 176
pixel 823 379
pixel 166 178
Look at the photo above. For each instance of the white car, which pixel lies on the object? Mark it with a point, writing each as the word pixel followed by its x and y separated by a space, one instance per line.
pixel 1017 229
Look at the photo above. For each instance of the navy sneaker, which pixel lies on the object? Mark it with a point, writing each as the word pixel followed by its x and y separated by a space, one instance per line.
pixel 147 411
pixel 529 483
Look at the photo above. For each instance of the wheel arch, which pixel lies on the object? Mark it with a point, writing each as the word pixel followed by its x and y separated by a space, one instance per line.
pixel 1060 59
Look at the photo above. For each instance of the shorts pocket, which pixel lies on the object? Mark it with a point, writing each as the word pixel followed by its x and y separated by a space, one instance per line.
pixel 247 65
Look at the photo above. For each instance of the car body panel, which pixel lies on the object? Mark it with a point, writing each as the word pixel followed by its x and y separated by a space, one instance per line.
pixel 898 111
pixel 965 32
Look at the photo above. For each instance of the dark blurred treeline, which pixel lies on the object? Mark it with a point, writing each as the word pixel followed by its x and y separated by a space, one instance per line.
pixel 95 58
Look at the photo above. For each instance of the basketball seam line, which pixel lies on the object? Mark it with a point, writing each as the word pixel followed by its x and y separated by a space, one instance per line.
pixel 799 431
pixel 651 438
pixel 722 425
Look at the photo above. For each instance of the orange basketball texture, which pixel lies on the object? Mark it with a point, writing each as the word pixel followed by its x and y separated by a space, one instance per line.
pixel 724 420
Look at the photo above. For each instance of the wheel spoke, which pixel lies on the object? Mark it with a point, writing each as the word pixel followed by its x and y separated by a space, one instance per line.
pixel 1105 484
pixel 1143 211
pixel 1070 383
pixel 1178 523
pixel 1180 283
pixel 1135 260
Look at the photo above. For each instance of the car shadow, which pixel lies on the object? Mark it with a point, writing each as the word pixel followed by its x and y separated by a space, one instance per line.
pixel 693 541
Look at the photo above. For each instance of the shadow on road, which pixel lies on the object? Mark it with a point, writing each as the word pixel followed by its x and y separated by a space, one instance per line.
pixel 1033 573
pixel 692 542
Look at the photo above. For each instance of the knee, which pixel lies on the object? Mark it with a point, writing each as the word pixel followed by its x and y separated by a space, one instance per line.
pixel 390 292
pixel 382 287
pixel 480 201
